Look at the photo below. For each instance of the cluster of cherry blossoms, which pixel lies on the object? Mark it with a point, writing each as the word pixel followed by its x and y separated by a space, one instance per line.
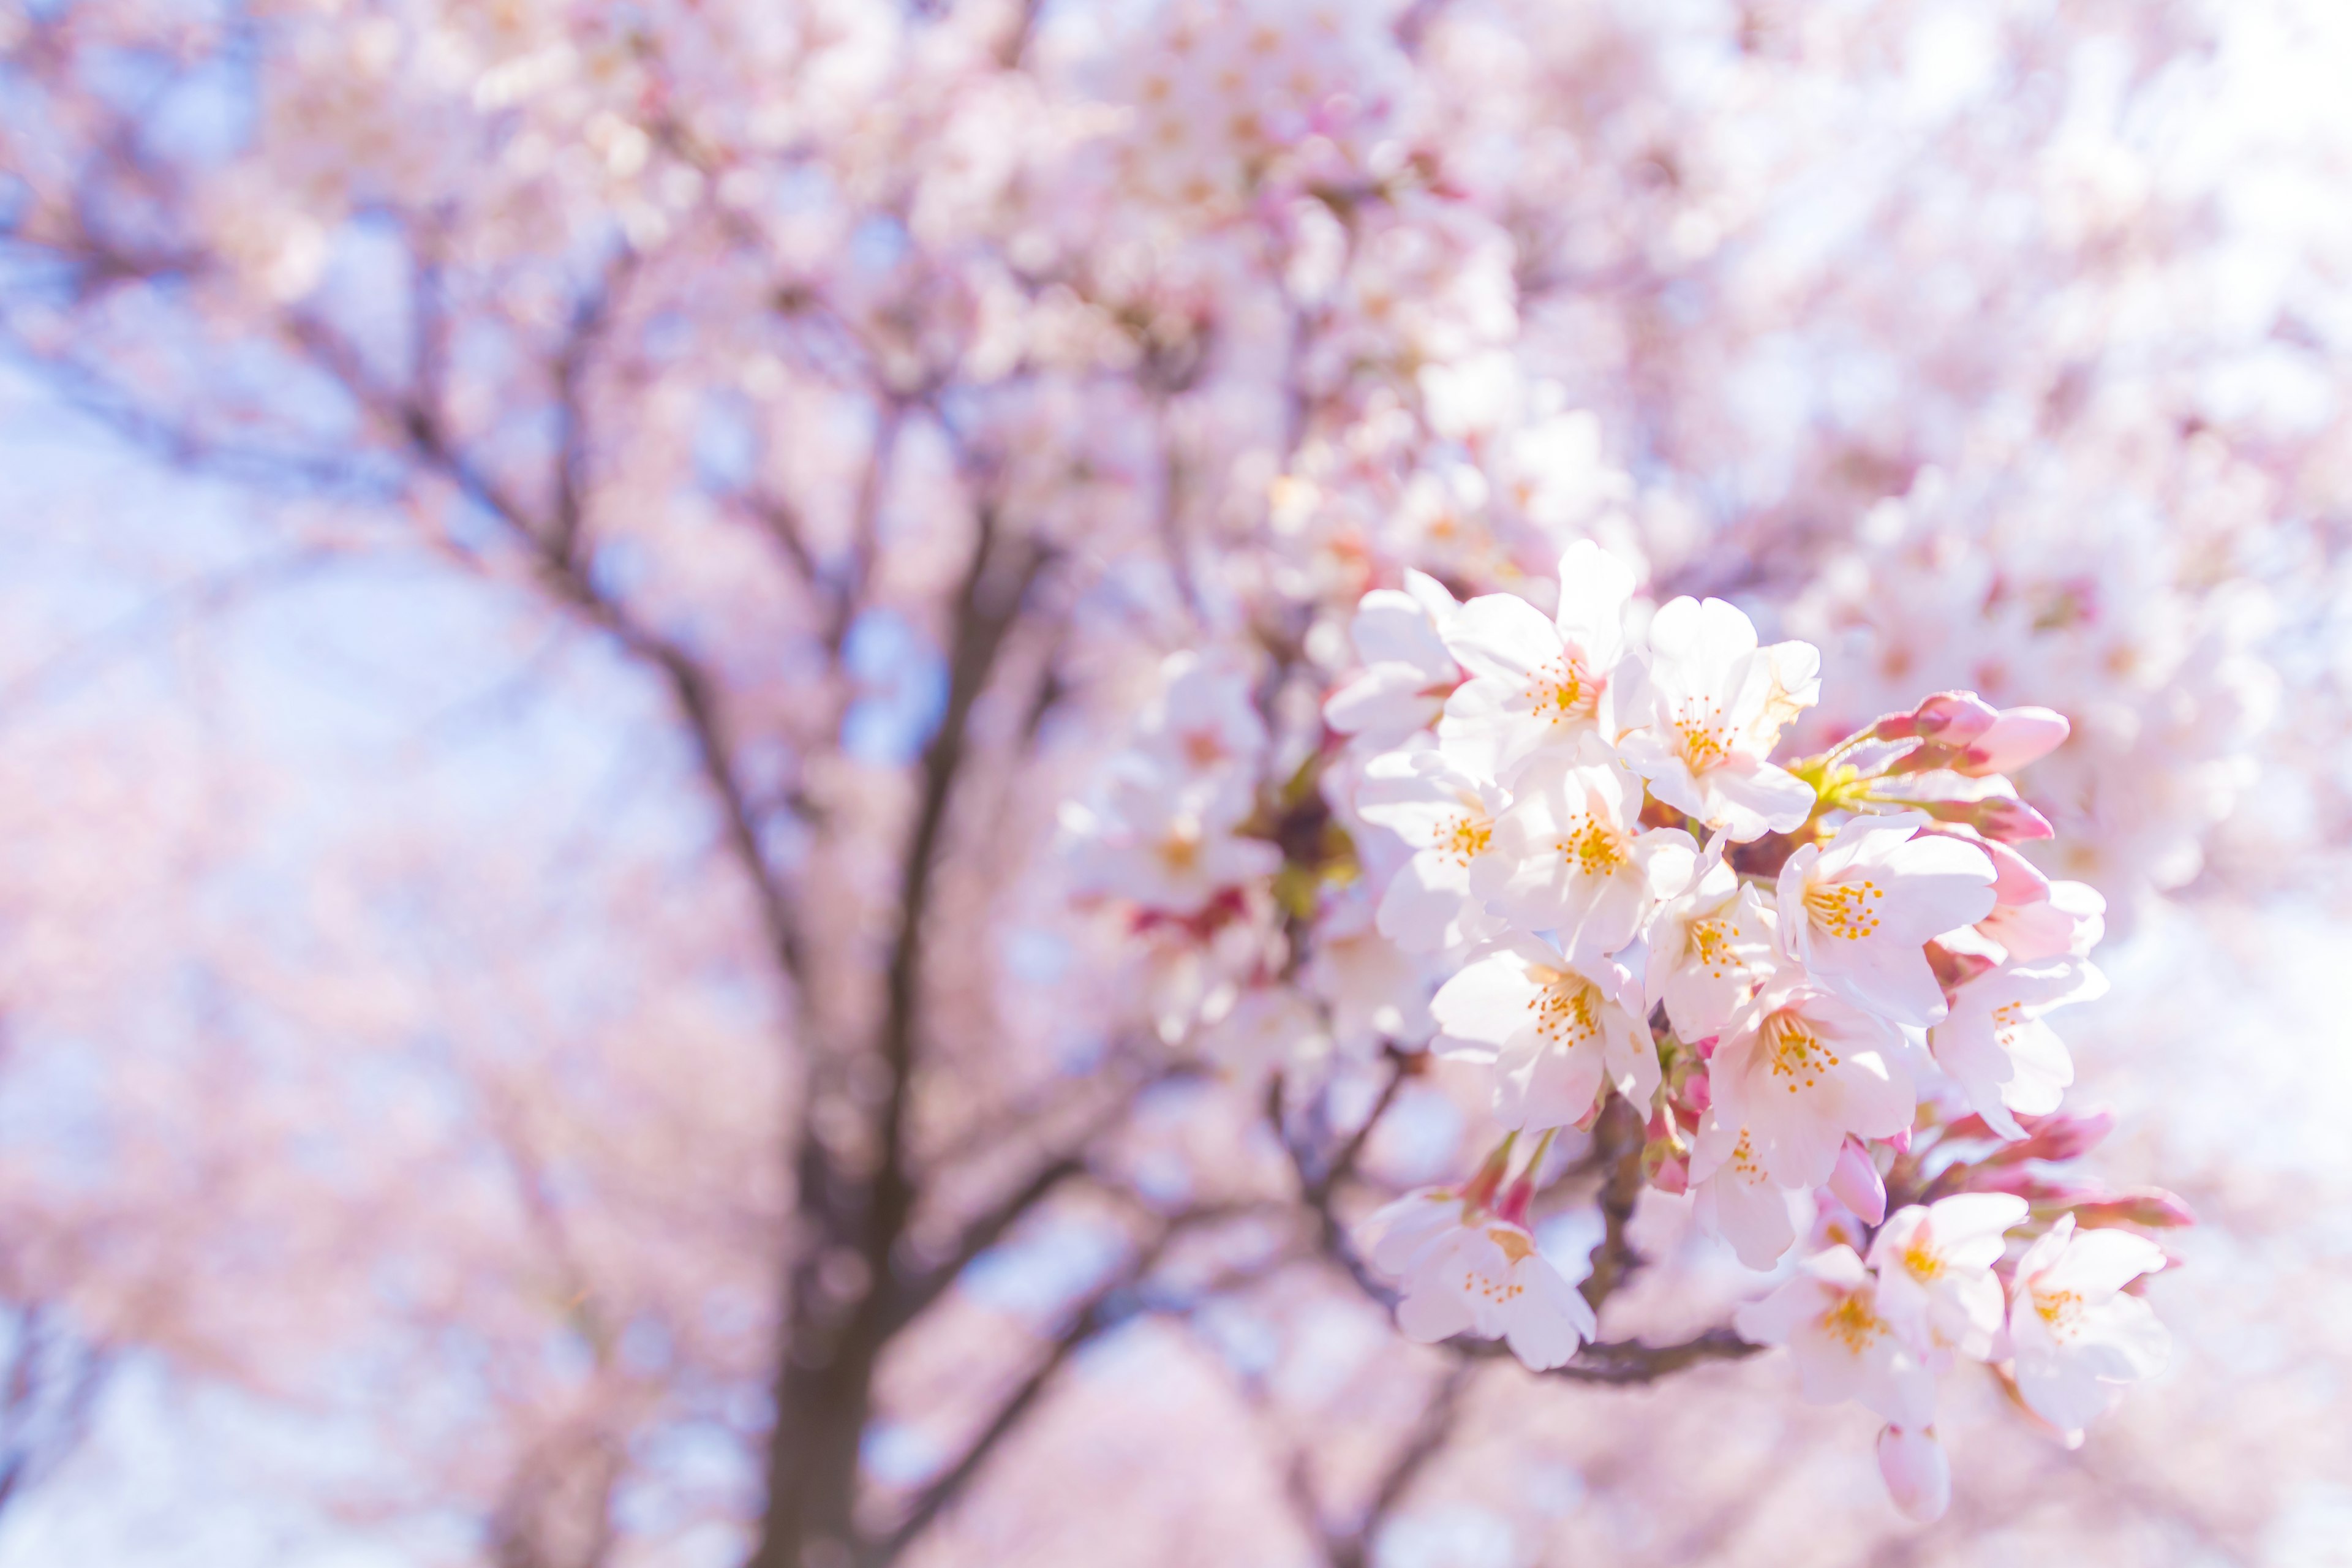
pixel 1817 985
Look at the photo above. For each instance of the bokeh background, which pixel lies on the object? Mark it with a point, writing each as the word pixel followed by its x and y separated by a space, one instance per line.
pixel 493 499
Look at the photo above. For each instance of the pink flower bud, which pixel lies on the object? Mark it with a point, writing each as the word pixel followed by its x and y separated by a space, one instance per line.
pixel 2058 1136
pixel 1918 1478
pixel 2009 821
pixel 2021 735
pixel 1954 717
pixel 1856 1184
pixel 2151 1206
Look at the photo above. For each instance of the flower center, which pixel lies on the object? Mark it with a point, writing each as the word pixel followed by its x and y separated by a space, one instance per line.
pixel 1179 851
pixel 1922 1260
pixel 1468 836
pixel 1699 728
pixel 1568 1011
pixel 2061 1309
pixel 1842 908
pixel 1593 848
pixel 1794 1051
pixel 1710 944
pixel 1562 689
pixel 1853 1324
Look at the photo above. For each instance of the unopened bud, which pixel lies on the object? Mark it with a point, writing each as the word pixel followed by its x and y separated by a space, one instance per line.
pixel 1918 1477
pixel 1954 717
pixel 2151 1206
pixel 2060 1136
pixel 2000 818
pixel 2021 735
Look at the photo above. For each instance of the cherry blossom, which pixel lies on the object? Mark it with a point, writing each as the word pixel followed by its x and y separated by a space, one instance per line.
pixel 2076 1336
pixel 1830 1318
pixel 1936 1281
pixel 1447 816
pixel 1166 840
pixel 1796 1071
pixel 1558 1030
pixel 1537 681
pixel 1569 855
pixel 1857 913
pixel 1482 1277
pixel 1996 1045
pixel 1707 712
pixel 1710 946
pixel 1408 673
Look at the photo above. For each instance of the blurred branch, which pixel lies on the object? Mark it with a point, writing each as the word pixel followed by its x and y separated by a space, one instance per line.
pixel 1115 1302
pixel 1427 1439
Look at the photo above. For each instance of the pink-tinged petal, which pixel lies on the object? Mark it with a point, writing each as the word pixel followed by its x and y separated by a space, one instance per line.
pixel 1709 635
pixel 1968 1228
pixel 1854 1181
pixel 2101 1262
pixel 1746 804
pixel 2061 1391
pixel 1430 1314
pixel 1486 1005
pixel 2015 880
pixel 1595 587
pixel 1544 1330
pixel 1904 1391
pixel 1501 636
pixel 1775 1319
pixel 1918 1477
pixel 1427 907
pixel 1396 1232
pixel 1942 884
pixel 1391 627
pixel 2124 1341
pixel 1387 698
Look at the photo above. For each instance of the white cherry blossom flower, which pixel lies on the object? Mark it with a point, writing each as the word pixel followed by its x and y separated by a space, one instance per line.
pixel 2077 1337
pixel 1710 946
pixel 1828 1317
pixel 1374 992
pixel 1936 1283
pixel 1557 1029
pixel 1794 1072
pixel 1538 682
pixel 1918 1475
pixel 1165 840
pixel 1484 1277
pixel 1445 814
pixel 1707 712
pixel 1858 911
pixel 1996 1045
pixel 1205 717
pixel 1571 855
pixel 1408 673
pixel 1267 1027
